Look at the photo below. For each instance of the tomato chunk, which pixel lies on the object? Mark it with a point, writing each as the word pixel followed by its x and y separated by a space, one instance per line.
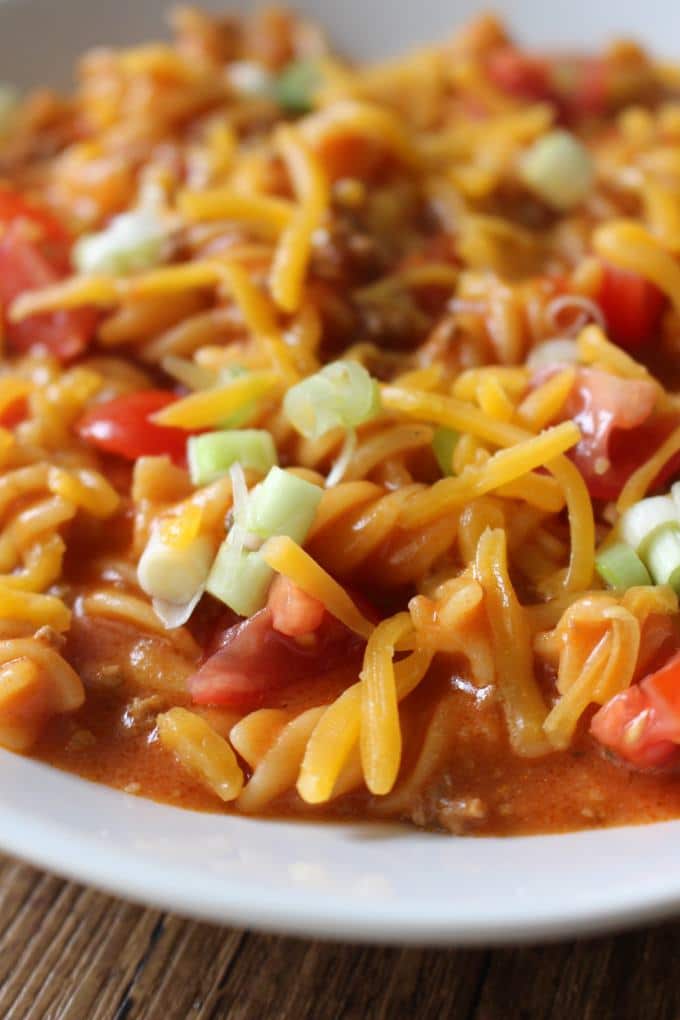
pixel 519 74
pixel 663 690
pixel 34 253
pixel 122 426
pixel 657 641
pixel 642 724
pixel 632 307
pixel 604 406
pixel 294 612
pixel 53 237
pixel 629 726
pixel 578 86
pixel 594 90
pixel 255 661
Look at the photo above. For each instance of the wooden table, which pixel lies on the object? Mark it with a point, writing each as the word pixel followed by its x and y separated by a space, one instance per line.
pixel 69 953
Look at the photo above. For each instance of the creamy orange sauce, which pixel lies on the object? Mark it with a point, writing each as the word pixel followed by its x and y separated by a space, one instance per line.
pixel 578 788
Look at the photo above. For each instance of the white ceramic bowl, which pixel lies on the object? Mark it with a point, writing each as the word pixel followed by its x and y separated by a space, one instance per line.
pixel 350 881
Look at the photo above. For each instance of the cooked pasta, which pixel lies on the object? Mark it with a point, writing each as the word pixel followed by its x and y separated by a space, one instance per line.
pixel 340 429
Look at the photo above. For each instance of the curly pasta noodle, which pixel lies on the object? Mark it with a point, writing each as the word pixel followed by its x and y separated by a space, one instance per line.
pixel 36 677
pixel 298 753
pixel 368 535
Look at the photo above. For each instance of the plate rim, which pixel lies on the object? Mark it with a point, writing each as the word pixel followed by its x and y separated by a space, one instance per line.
pixel 304 912
pixel 48 843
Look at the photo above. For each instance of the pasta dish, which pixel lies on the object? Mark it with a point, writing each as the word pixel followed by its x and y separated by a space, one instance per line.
pixel 340 427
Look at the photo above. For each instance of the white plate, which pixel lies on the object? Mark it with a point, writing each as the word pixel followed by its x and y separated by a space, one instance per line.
pixel 352 881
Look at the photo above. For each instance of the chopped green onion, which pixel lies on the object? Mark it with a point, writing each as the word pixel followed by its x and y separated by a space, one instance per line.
pixel 559 169
pixel 296 85
pixel 309 407
pixel 620 567
pixel 212 454
pixel 444 443
pixel 282 504
pixel 240 578
pixel 174 573
pixel 341 395
pixel 663 556
pixel 640 522
pixel 131 242
pixel 9 101
pixel 249 78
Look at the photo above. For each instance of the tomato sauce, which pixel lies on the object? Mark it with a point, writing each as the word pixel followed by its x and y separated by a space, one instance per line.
pixel 112 740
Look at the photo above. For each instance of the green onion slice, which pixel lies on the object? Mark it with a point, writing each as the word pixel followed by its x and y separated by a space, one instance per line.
pixel 620 567
pixel 341 395
pixel 296 85
pixel 174 577
pixel 641 521
pixel 559 169
pixel 240 578
pixel 132 241
pixel 213 453
pixel 663 556
pixel 282 504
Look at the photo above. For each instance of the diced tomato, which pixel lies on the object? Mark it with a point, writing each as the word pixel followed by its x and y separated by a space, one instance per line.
pixel 255 661
pixel 294 612
pixel 632 307
pixel 612 401
pixel 22 267
pixel 658 640
pixel 629 450
pixel 642 724
pixel 663 690
pixel 591 97
pixel 578 86
pixel 53 237
pixel 605 406
pixel 519 74
pixel 34 253
pixel 630 726
pixel 122 426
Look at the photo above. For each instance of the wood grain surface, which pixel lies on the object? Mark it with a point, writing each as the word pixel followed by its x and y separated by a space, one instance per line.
pixel 69 953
